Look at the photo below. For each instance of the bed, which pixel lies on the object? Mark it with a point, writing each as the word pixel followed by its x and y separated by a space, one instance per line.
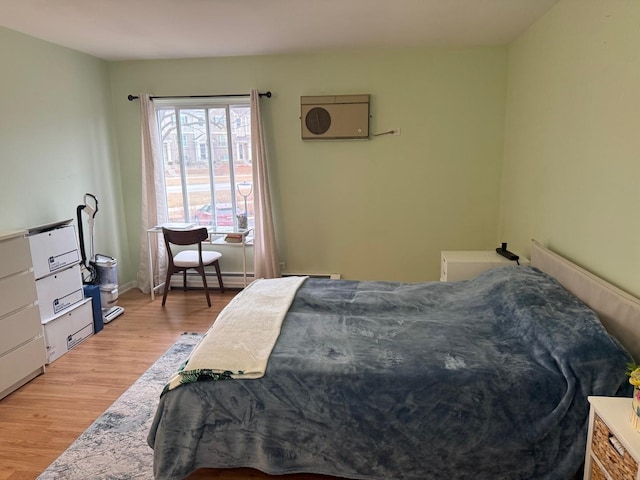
pixel 485 378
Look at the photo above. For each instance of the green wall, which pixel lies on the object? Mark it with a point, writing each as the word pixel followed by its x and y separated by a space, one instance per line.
pixel 57 140
pixel 537 140
pixel 382 208
pixel 572 141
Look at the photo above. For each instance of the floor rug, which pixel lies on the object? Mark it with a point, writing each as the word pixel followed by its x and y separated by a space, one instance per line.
pixel 115 446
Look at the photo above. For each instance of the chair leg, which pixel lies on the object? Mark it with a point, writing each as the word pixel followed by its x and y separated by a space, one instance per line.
pixel 204 283
pixel 184 280
pixel 166 286
pixel 217 265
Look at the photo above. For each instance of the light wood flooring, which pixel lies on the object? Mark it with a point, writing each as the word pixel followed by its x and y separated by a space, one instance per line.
pixel 40 420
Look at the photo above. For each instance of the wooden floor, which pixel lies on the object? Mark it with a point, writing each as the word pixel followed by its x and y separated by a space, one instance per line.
pixel 40 420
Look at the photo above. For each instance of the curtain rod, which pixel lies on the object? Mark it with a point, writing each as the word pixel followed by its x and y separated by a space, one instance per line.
pixel 267 94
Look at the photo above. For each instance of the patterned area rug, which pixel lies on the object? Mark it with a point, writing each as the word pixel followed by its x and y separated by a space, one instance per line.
pixel 115 446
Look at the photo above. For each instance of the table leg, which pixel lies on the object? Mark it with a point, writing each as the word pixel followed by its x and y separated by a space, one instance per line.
pixel 153 294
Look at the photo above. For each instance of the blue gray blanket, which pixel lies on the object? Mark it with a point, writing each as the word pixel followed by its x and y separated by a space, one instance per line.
pixel 481 379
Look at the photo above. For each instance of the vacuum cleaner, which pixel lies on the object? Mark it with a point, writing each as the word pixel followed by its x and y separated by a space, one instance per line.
pixel 101 270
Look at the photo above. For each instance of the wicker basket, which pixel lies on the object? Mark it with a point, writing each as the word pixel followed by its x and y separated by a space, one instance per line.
pixel 620 466
pixel 596 473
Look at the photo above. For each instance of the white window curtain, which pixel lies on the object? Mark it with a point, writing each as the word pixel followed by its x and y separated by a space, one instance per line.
pixel 154 208
pixel 265 254
pixel 153 202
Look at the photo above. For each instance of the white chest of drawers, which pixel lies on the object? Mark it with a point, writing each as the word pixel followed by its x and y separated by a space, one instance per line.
pixel 613 445
pixel 22 349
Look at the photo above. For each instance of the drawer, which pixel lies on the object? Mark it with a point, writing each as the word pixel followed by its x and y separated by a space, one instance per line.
pixel 619 465
pixel 596 473
pixel 21 363
pixel 19 328
pixel 15 256
pixel 16 292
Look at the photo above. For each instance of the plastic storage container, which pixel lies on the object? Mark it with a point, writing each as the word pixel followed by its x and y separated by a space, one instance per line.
pixel 107 272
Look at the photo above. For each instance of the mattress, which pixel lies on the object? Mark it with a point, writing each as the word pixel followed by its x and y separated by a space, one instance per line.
pixel 485 378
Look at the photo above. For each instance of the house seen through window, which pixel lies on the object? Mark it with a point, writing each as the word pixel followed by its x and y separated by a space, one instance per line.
pixel 206 151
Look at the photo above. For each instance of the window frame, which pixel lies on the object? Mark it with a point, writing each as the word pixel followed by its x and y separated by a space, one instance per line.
pixel 178 105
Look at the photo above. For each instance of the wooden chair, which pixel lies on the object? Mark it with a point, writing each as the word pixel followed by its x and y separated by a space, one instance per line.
pixel 186 259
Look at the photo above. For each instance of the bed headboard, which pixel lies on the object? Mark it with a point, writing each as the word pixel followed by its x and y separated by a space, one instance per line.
pixel 619 312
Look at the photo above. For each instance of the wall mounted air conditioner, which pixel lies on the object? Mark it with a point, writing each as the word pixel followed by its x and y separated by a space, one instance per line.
pixel 330 117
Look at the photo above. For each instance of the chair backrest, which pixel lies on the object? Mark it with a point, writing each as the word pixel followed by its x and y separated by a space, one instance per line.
pixel 184 237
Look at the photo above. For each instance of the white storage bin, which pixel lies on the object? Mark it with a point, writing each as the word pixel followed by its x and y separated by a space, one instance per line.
pixel 68 330
pixel 54 250
pixel 59 292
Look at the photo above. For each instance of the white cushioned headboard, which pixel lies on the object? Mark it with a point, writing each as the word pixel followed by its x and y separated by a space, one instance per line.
pixel 619 312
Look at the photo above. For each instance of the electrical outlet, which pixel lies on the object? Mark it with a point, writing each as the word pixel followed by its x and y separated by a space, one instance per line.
pixel 395 132
pixel 282 266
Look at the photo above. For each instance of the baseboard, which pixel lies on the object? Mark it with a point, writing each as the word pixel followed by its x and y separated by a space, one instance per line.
pixel 127 286
pixel 232 280
pixel 236 279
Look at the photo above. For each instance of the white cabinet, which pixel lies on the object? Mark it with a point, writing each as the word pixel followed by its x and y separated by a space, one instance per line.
pixel 464 265
pixel 613 444
pixel 66 316
pixel 22 350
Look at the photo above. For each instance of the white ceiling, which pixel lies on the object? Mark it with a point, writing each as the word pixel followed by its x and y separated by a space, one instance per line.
pixel 152 29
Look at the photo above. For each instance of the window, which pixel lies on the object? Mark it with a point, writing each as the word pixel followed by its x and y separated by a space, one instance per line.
pixel 202 148
pixel 202 170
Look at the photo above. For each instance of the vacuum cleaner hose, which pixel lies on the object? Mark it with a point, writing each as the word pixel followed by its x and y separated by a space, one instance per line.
pixel 89 266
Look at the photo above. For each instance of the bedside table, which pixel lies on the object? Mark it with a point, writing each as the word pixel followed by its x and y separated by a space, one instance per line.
pixel 463 265
pixel 613 444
